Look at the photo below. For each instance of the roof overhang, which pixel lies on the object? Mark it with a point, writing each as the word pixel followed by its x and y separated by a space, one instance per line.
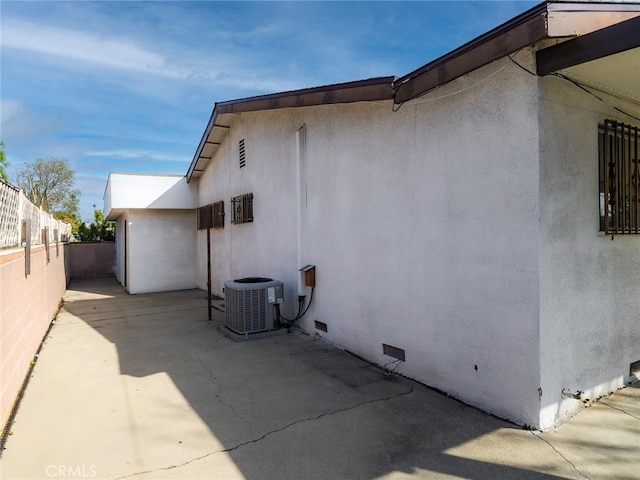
pixel 559 20
pixel 598 43
pixel 224 113
pixel 607 60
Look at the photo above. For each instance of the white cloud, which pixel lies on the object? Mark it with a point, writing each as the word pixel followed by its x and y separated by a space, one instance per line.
pixel 208 68
pixel 138 155
pixel 85 47
pixel 20 124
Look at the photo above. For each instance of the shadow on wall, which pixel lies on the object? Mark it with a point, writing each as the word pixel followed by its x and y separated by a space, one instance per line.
pixel 288 406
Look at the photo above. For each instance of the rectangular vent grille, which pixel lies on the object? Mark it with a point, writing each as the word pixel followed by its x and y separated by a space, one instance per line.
pixel 241 153
pixel 394 352
pixel 321 326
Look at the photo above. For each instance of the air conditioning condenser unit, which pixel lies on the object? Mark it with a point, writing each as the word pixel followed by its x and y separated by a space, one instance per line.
pixel 250 304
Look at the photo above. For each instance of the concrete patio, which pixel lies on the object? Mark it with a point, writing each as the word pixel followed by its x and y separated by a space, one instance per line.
pixel 145 387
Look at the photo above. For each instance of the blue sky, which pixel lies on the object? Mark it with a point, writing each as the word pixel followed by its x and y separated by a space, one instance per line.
pixel 129 86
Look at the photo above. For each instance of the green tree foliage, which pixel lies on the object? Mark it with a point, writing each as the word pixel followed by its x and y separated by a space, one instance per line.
pixel 3 163
pixel 100 230
pixel 50 184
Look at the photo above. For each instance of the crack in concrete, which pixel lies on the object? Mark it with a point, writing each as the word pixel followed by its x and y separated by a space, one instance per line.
pixel 619 409
pixel 219 397
pixel 559 453
pixel 271 432
pixel 120 317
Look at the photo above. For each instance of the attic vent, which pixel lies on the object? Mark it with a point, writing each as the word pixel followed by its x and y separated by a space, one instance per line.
pixel 241 153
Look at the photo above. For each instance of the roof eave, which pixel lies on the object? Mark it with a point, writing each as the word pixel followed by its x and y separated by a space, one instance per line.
pixel 601 43
pixel 373 89
pixel 507 38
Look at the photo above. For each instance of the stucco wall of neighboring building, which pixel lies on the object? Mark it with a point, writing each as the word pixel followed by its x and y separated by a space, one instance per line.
pixel 161 250
pixel 590 285
pixel 423 225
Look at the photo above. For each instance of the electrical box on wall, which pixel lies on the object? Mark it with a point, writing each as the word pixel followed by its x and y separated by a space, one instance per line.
pixel 309 272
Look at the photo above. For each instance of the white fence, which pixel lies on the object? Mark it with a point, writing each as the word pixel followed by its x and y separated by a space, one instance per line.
pixel 19 219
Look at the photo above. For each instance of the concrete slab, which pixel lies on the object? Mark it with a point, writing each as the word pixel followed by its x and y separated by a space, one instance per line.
pixel 145 387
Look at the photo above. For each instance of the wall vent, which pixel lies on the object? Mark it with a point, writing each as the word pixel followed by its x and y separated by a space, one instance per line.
pixel 241 153
pixel 320 326
pixel 394 352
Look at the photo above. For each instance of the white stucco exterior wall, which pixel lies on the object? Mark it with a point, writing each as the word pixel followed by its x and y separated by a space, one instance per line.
pixel 423 225
pixel 121 222
pixel 161 250
pixel 590 285
pixel 133 190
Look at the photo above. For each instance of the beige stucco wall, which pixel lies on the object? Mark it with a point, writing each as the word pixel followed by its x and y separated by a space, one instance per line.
pixel 27 306
pixel 91 260
pixel 590 285
pixel 423 225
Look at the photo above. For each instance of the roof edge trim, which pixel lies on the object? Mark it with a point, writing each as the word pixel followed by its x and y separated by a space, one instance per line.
pixel 520 31
pixel 601 43
pixel 372 89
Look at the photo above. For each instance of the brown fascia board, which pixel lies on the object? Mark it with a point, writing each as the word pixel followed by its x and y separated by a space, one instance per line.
pixel 601 43
pixel 519 32
pixel 373 89
pixel 523 30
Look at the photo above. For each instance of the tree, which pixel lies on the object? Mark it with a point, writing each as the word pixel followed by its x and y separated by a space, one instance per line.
pixel 100 230
pixel 3 163
pixel 50 184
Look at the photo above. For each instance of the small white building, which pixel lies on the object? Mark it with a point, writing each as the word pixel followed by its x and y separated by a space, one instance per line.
pixel 155 230
pixel 456 216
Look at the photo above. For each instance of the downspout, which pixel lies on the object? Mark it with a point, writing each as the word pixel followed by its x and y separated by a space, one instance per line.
pixel 209 273
pixel 301 194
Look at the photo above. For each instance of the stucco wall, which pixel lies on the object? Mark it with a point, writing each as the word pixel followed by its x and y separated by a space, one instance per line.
pixel 91 260
pixel 161 250
pixel 121 239
pixel 590 285
pixel 27 306
pixel 131 190
pixel 422 224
